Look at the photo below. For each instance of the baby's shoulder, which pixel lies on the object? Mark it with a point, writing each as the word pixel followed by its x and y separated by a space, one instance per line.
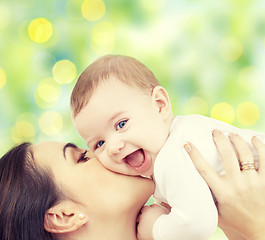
pixel 193 122
pixel 193 126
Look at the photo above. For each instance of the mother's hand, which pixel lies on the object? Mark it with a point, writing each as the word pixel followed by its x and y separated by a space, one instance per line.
pixel 240 193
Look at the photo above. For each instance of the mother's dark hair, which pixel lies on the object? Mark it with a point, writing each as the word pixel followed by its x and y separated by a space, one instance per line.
pixel 27 191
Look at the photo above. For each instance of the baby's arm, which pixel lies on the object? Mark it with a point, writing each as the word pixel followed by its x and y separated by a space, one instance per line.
pixel 146 220
pixel 198 130
pixel 193 214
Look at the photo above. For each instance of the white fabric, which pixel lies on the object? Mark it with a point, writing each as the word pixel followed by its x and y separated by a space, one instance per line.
pixel 193 215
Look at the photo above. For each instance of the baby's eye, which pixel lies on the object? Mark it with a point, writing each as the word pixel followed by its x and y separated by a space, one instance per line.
pixel 121 124
pixel 83 157
pixel 99 144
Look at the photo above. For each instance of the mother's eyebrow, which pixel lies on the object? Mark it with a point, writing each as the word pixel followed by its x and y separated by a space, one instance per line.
pixel 67 145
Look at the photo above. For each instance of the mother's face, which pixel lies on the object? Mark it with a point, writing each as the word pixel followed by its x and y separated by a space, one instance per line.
pixel 88 182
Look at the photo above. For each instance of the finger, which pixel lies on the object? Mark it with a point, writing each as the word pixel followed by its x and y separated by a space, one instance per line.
pixel 226 152
pixel 165 205
pixel 242 148
pixel 245 155
pixel 260 147
pixel 211 177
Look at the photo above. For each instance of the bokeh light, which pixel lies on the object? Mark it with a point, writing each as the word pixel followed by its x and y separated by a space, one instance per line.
pixel 4 16
pixel 224 112
pixel 230 49
pixel 64 71
pixel 196 105
pixel 103 38
pixel 40 30
pixel 151 5
pixel 23 131
pixel 249 78
pixel 28 117
pixel 2 78
pixel 247 113
pixel 47 93
pixel 93 10
pixel 51 123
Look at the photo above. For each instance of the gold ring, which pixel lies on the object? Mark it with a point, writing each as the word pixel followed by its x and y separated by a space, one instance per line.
pixel 247 166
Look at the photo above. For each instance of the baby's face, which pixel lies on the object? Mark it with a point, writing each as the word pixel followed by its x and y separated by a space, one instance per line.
pixel 123 127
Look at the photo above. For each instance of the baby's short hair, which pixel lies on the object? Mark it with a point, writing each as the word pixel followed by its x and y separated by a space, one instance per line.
pixel 126 69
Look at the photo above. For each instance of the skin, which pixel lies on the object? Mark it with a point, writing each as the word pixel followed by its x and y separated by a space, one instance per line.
pixel 240 194
pixel 126 130
pixel 147 218
pixel 100 204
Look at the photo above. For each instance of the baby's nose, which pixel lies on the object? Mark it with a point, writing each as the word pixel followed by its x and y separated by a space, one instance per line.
pixel 115 148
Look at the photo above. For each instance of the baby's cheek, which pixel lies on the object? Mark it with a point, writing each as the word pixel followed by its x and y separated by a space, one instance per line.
pixel 104 162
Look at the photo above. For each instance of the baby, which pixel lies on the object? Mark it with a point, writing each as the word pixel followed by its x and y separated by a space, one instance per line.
pixel 125 117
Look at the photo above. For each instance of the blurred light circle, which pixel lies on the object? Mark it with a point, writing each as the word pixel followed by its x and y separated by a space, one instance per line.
pixel 23 131
pixel 40 30
pixel 47 93
pixel 93 10
pixel 103 38
pixel 196 105
pixel 28 116
pixel 15 136
pixel 64 71
pixel 249 78
pixel 51 123
pixel 152 5
pixel 230 49
pixel 2 78
pixel 4 17
pixel 25 128
pixel 6 141
pixel 247 113
pixel 224 112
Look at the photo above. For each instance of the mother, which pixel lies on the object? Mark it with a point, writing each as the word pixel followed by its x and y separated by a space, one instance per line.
pixel 53 190
pixel 59 186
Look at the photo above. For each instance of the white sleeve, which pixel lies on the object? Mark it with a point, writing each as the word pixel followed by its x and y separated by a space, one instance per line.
pixel 193 214
pixel 199 133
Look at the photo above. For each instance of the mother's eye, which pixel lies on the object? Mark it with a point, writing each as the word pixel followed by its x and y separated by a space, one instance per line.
pixel 83 157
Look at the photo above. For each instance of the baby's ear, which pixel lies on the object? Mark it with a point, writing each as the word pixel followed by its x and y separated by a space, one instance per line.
pixel 161 99
pixel 64 218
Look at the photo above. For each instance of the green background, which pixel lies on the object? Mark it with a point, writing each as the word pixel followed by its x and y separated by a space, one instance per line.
pixel 208 54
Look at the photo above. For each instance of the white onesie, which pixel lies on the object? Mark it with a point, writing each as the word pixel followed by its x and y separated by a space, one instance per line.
pixel 193 214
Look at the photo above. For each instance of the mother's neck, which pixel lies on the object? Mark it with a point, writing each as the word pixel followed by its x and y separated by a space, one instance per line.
pixel 119 228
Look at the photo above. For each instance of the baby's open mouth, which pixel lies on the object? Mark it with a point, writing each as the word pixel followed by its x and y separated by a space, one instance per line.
pixel 135 159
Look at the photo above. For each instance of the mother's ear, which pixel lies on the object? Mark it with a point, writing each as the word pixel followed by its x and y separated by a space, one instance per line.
pixel 162 102
pixel 65 217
